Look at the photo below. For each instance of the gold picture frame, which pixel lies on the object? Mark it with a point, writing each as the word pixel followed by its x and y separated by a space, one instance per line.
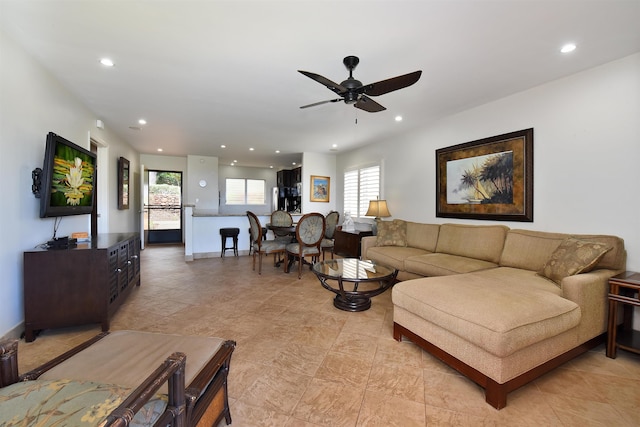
pixel 490 179
pixel 320 188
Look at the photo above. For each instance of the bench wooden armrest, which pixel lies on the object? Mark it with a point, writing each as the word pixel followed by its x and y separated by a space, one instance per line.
pixel 8 362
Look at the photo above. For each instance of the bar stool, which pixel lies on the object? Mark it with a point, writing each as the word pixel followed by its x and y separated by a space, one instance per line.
pixel 225 233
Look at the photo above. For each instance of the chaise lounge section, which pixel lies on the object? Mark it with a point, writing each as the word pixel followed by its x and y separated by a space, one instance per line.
pixel 501 306
pixel 83 386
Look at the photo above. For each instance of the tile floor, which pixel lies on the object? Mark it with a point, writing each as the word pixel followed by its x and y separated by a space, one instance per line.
pixel 301 362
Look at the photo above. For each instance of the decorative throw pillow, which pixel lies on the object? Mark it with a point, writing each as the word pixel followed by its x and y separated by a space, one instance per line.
pixel 573 256
pixel 391 233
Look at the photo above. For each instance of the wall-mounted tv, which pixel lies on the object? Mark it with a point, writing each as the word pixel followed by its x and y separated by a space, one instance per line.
pixel 67 180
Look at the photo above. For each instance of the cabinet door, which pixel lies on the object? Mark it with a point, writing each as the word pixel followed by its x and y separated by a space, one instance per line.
pixel 134 250
pixel 123 265
pixel 297 176
pixel 113 274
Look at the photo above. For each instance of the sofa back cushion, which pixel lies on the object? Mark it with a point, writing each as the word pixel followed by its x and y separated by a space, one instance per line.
pixel 422 236
pixel 532 249
pixel 483 242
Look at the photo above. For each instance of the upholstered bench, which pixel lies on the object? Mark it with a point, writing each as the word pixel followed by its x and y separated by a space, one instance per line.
pixel 120 361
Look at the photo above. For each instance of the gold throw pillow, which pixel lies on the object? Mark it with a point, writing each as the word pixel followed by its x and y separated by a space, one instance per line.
pixel 391 233
pixel 573 256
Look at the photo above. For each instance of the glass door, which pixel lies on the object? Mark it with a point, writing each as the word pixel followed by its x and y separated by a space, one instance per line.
pixel 163 207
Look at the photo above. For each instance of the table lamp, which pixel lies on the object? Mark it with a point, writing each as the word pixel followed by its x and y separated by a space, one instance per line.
pixel 377 209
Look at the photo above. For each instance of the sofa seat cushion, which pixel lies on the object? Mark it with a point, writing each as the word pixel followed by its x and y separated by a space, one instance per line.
pixel 444 264
pixel 111 359
pixel 501 310
pixel 69 403
pixel 393 256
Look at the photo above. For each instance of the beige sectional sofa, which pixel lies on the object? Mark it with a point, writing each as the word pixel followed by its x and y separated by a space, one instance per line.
pixel 500 305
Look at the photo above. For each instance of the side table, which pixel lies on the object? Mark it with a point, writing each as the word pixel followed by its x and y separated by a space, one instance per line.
pixel 625 289
pixel 347 243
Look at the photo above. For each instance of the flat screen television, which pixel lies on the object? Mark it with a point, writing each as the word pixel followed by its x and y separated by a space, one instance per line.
pixel 68 178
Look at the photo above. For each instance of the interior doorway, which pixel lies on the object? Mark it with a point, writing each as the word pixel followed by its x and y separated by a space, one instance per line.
pixel 163 206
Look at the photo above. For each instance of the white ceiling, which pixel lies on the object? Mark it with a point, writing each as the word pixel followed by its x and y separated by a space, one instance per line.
pixel 206 73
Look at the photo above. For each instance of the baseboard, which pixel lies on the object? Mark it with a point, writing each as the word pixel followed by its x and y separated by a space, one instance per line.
pixel 14 333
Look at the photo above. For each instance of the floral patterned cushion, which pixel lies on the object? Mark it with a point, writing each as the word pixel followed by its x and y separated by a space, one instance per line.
pixel 391 233
pixel 573 256
pixel 69 403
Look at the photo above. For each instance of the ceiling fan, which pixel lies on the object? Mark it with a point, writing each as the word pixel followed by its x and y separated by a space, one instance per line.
pixel 352 91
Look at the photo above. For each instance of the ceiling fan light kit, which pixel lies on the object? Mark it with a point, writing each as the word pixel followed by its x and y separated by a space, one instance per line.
pixel 352 91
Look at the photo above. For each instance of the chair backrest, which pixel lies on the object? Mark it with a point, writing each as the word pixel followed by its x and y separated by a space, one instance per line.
pixel 255 229
pixel 281 219
pixel 331 221
pixel 310 229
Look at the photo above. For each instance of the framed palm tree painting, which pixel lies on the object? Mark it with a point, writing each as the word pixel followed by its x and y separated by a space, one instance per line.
pixel 491 178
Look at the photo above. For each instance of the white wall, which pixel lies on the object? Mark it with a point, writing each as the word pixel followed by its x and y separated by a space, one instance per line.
pixel 270 177
pixel 33 103
pixel 586 154
pixel 202 168
pixel 320 165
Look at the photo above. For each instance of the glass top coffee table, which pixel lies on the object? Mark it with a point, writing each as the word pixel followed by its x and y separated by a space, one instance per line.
pixel 354 281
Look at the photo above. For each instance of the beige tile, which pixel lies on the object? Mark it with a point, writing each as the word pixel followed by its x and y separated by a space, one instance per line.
pixel 379 409
pixel 405 354
pixel 328 403
pixel 298 358
pixel 276 390
pixel 397 381
pixel 578 412
pixel 344 369
pixel 455 393
pixel 439 417
pixel 247 415
pixel 359 346
pixel 570 383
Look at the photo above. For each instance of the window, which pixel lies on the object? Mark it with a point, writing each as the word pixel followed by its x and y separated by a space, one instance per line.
pixel 240 191
pixel 360 186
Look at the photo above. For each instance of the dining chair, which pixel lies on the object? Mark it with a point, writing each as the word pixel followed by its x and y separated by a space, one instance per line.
pixel 282 219
pixel 260 246
pixel 309 234
pixel 331 222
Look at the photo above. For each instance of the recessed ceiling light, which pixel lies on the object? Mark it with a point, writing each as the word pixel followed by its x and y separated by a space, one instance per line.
pixel 235 161
pixel 233 164
pixel 398 118
pixel 569 47
pixel 107 62
pixel 335 145
pixel 293 163
pixel 160 150
pixel 251 149
pixel 223 146
pixel 271 167
pixel 277 151
pixel 142 121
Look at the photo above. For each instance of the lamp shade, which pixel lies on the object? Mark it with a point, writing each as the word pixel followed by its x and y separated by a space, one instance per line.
pixel 378 209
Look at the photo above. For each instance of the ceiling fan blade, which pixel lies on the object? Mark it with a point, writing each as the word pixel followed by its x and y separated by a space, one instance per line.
pixel 367 104
pixel 389 85
pixel 321 102
pixel 332 86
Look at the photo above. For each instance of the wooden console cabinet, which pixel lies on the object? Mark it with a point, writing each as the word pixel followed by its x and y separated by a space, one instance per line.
pixel 81 285
pixel 347 243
